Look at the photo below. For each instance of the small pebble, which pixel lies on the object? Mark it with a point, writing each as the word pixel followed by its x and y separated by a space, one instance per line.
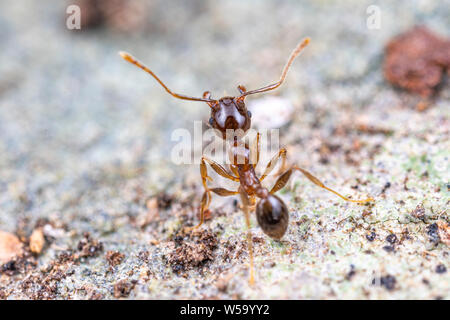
pixel 37 241
pixel 10 247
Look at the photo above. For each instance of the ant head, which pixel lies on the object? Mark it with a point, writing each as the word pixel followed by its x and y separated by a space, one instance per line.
pixel 229 116
pixel 227 113
pixel 272 216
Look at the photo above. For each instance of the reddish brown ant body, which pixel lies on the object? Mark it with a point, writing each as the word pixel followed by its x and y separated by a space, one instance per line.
pixel 230 113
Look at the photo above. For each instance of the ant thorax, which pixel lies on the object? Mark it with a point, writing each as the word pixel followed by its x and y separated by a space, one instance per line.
pixel 239 152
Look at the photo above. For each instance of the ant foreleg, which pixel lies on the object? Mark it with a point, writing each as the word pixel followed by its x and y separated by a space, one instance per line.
pixel 206 198
pixel 219 169
pixel 273 162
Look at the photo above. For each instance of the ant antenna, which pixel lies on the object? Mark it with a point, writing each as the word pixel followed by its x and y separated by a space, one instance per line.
pixel 128 57
pixel 293 55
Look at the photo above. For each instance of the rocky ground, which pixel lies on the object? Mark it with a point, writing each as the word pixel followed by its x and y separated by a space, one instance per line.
pixel 85 145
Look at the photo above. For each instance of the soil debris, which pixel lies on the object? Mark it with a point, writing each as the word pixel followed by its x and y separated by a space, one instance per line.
pixel 418 212
pixel 114 258
pixel 416 60
pixel 123 288
pixel 150 215
pixel 192 252
pixel 120 15
pixel 10 247
pixel 89 247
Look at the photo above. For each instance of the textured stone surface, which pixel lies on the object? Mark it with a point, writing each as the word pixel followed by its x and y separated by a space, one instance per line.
pixel 85 140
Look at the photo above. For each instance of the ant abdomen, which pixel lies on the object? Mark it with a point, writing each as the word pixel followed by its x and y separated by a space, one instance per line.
pixel 273 216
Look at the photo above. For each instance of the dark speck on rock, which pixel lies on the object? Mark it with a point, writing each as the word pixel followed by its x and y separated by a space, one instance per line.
pixel 143 256
pixel 386 186
pixel 419 212
pixel 392 238
pixel 441 269
pixel 351 273
pixel 387 281
pixel 370 237
pixel 164 201
pixel 178 240
pixel 433 233
pixel 389 248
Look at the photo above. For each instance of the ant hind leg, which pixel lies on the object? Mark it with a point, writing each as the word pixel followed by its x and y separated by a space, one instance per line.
pixel 245 204
pixel 284 178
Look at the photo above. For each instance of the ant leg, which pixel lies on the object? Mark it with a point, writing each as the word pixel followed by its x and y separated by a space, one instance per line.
pixel 245 202
pixel 224 192
pixel 219 169
pixel 233 169
pixel 283 179
pixel 273 162
pixel 319 183
pixel 206 198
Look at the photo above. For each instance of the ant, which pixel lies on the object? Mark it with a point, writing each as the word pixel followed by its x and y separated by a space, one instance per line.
pixel 230 113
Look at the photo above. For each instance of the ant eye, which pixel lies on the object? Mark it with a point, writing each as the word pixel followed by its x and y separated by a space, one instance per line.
pixel 211 121
pixel 249 114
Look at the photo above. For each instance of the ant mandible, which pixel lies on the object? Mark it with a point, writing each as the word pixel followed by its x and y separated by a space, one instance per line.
pixel 230 113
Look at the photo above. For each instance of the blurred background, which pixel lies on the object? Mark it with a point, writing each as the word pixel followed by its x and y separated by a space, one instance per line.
pixel 81 130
